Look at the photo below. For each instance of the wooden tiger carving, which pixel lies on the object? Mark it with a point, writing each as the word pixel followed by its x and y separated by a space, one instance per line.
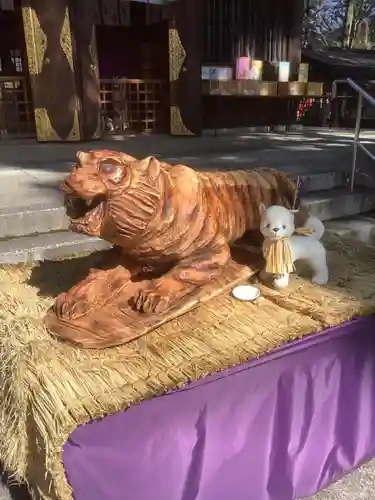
pixel 157 215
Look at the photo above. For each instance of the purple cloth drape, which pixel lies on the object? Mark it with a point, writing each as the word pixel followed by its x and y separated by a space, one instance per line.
pixel 277 428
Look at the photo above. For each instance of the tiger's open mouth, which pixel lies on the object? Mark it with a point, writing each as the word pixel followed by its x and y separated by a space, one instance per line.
pixel 86 216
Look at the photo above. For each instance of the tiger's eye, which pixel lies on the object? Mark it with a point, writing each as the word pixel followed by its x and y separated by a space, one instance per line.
pixel 107 168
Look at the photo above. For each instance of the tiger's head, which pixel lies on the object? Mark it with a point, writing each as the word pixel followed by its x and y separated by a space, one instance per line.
pixel 108 186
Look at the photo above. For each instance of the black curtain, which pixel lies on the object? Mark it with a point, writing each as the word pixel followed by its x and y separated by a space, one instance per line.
pixel 261 29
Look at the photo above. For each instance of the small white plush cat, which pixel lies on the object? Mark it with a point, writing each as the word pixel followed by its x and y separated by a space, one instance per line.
pixel 278 222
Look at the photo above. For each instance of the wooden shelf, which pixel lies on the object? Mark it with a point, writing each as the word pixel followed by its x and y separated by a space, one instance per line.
pixel 254 88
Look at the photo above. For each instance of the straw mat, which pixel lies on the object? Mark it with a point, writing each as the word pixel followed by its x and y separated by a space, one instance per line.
pixel 49 388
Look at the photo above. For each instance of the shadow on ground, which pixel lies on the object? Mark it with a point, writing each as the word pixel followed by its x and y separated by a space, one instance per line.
pixel 12 490
pixel 53 277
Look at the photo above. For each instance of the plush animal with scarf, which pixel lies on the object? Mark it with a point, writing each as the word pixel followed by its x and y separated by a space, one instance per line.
pixel 284 244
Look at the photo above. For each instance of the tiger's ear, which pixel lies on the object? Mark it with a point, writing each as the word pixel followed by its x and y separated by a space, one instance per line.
pixel 82 156
pixel 262 209
pixel 125 158
pixel 152 166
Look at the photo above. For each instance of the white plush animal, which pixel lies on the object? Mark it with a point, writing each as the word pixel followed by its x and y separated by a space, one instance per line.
pixel 278 223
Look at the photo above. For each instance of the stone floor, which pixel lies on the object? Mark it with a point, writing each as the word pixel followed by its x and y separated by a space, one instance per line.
pixel 31 171
pixel 360 485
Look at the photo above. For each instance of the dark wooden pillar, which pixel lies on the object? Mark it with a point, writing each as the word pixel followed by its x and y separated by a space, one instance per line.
pixel 51 67
pixel 185 46
pixel 61 53
pixel 86 66
pixel 295 36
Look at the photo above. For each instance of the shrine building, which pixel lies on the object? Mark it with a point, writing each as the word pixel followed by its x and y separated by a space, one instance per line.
pixel 71 70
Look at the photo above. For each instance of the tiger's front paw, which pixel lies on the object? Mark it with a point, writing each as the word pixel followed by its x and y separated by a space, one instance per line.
pixel 151 301
pixel 161 294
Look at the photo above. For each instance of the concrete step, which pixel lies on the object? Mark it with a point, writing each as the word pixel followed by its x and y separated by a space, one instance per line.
pixel 45 217
pixel 27 249
pixel 324 181
pixel 326 205
pixel 339 202
pixel 359 227
pixel 35 219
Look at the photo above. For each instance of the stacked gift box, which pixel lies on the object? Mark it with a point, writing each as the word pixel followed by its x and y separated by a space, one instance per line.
pixel 260 78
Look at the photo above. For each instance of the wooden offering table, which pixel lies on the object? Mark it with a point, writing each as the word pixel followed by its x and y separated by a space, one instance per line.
pixel 290 92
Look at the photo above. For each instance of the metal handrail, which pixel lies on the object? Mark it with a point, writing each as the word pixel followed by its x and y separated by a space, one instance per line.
pixel 362 94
